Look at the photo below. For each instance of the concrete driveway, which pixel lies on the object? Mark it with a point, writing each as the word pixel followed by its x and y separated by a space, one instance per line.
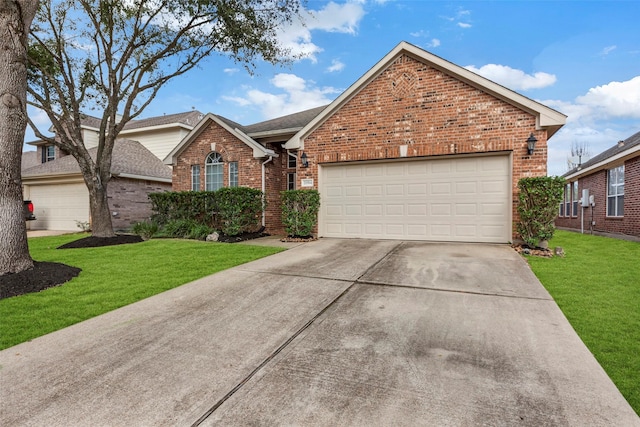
pixel 333 332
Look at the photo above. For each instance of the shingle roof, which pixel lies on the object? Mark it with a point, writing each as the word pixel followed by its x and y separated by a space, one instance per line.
pixel 129 157
pixel 291 121
pixel 620 147
pixel 29 159
pixel 189 118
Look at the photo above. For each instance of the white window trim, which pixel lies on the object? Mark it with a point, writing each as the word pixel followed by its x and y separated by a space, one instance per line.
pixel 618 194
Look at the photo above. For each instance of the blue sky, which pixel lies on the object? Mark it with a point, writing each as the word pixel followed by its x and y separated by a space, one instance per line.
pixel 581 58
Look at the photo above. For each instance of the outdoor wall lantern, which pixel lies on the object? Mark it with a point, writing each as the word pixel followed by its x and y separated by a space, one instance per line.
pixel 304 160
pixel 531 144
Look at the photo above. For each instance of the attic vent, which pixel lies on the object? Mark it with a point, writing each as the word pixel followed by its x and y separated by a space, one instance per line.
pixel 620 143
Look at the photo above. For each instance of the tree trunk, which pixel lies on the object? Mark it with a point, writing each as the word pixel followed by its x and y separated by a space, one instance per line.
pixel 15 19
pixel 101 225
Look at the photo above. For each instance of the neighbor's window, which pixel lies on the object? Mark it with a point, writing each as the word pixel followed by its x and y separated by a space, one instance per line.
pixel 291 181
pixel 615 191
pixel 574 200
pixel 213 179
pixel 292 160
pixel 567 200
pixel 195 178
pixel 233 174
pixel 48 153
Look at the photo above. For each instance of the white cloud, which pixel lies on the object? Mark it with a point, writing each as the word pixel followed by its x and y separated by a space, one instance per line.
pixel 604 115
pixel 434 43
pixel 296 94
pixel 231 71
pixel 615 99
pixel 336 66
pixel 512 78
pixel 333 18
pixel 607 50
pixel 464 25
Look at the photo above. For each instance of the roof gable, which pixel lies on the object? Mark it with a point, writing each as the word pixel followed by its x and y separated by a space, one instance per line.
pixel 546 118
pixel 259 151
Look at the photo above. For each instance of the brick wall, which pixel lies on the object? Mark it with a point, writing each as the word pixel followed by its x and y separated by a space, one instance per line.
pixel 249 168
pixel 129 199
pixel 434 114
pixel 596 183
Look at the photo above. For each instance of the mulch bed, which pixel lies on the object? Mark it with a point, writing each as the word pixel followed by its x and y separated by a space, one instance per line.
pixel 241 237
pixel 540 252
pixel 95 242
pixel 42 276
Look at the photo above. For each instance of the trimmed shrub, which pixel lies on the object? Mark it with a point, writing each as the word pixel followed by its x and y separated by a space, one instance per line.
pixel 300 211
pixel 538 199
pixel 239 209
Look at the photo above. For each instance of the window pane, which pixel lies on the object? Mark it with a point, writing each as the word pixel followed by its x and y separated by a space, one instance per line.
pixel 620 210
pixel 213 172
pixel 292 159
pixel 195 178
pixel 291 181
pixel 611 206
pixel 611 179
pixel 233 174
pixel 561 209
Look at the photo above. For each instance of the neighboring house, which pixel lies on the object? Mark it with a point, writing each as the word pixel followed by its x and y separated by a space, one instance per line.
pixel 61 198
pixel 418 148
pixel 52 179
pixel 612 179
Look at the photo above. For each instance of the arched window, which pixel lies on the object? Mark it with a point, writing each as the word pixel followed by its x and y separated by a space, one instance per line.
pixel 213 178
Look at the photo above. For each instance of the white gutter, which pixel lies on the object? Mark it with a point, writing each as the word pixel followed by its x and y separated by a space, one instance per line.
pixel 264 191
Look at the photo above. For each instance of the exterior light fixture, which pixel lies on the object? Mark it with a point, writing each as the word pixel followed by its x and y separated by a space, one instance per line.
pixel 304 160
pixel 531 144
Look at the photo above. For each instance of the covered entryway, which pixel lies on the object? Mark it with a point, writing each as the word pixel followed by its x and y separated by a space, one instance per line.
pixel 454 199
pixel 59 206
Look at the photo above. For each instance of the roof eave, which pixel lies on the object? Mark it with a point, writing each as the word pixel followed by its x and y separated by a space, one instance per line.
pixel 605 163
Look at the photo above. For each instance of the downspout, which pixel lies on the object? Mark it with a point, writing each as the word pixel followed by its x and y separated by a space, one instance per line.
pixel 264 191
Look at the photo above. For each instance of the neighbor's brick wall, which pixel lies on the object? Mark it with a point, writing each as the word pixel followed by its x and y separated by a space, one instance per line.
pixel 596 183
pixel 129 198
pixel 413 104
pixel 249 168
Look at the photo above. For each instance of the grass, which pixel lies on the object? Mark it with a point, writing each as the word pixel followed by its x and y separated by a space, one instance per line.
pixel 112 277
pixel 597 286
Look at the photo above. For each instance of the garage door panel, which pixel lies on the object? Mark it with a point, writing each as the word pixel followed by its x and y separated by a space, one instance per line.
pixel 59 206
pixel 454 199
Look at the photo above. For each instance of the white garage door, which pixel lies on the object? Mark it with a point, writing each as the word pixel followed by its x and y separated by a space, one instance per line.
pixel 59 206
pixel 451 199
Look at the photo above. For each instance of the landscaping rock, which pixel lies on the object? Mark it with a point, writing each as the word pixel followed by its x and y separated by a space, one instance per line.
pixel 213 237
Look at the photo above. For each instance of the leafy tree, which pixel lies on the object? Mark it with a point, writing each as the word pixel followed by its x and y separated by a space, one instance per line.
pixel 15 20
pixel 113 56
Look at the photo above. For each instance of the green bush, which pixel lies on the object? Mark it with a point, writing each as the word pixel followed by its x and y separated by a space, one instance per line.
pixel 183 214
pixel 300 211
pixel 538 198
pixel 239 209
pixel 145 229
pixel 199 206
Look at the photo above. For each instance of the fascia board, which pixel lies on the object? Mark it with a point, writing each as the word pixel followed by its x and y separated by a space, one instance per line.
pixel 624 155
pixel 143 177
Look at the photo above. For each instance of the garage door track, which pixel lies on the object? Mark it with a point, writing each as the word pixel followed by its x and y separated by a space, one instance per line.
pixel 333 332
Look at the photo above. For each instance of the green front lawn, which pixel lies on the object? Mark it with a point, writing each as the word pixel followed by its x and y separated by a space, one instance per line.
pixel 112 277
pixel 597 286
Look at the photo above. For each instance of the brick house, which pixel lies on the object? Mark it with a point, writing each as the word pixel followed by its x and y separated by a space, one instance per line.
pixel 417 149
pixel 612 180
pixel 52 179
pixel 61 198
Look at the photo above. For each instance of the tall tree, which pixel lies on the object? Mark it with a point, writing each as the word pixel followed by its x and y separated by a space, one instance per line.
pixel 15 19
pixel 113 56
